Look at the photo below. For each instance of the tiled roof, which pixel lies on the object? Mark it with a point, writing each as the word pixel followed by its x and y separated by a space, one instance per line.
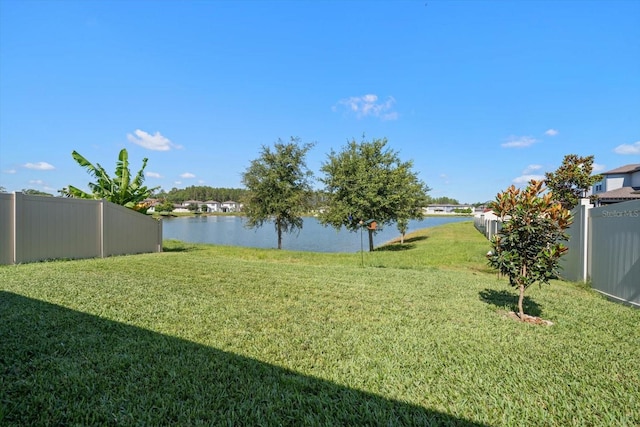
pixel 624 169
pixel 630 193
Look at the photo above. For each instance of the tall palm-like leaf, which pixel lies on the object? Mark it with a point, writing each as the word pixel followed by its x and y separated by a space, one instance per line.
pixel 119 189
pixel 122 174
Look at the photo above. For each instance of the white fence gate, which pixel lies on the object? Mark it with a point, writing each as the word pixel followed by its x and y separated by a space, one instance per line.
pixel 35 228
pixel 604 248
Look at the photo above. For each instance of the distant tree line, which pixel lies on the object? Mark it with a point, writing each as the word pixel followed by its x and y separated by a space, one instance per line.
pixel 202 193
pixel 442 201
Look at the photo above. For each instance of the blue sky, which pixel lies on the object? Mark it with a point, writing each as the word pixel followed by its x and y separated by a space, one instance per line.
pixel 478 94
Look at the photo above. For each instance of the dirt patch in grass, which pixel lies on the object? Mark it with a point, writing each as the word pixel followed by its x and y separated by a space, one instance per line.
pixel 534 320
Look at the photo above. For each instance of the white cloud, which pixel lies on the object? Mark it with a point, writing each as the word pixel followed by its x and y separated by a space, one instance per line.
pixel 368 105
pixel 187 175
pixel 551 132
pixel 201 181
pixel 36 182
pixel 519 141
pixel 10 171
pixel 41 166
pixel 153 175
pixel 628 148
pixel 177 182
pixel 598 167
pixel 155 142
pixel 531 168
pixel 524 179
pixel 528 174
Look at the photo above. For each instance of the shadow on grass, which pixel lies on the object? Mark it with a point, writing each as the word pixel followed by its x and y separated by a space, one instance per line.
pixel 395 245
pixel 63 367
pixel 171 245
pixel 509 301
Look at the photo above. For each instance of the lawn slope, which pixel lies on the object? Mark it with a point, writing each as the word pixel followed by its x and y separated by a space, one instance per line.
pixel 223 335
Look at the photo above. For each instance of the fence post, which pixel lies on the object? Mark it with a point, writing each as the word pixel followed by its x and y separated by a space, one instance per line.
pixel 12 226
pixel 583 211
pixel 101 226
pixel 17 226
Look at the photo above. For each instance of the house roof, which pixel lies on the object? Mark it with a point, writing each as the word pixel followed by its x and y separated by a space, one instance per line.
pixel 633 167
pixel 628 193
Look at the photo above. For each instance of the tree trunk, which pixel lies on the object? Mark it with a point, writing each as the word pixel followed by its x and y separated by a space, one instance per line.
pixel 523 272
pixel 370 240
pixel 279 236
pixel 402 239
pixel 520 299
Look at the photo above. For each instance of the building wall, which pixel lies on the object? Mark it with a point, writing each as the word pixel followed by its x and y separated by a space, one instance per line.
pixel 613 182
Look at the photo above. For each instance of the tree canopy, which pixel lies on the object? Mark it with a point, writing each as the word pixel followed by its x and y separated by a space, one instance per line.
pixel 34 192
pixel 529 245
pixel 571 181
pixel 121 189
pixel 278 187
pixel 203 193
pixel 368 182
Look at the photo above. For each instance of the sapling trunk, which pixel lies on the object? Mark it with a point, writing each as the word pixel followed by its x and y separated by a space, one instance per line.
pixel 520 299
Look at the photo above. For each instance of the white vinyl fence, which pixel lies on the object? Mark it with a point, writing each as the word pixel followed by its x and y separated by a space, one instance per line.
pixel 487 223
pixel 604 248
pixel 35 228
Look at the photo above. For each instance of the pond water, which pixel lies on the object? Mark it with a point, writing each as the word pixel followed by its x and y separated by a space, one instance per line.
pixel 231 230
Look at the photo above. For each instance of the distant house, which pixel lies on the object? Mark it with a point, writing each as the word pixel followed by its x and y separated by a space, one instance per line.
pixel 436 209
pixel 151 203
pixel 212 206
pixel 179 208
pixel 618 185
pixel 230 206
pixel 188 203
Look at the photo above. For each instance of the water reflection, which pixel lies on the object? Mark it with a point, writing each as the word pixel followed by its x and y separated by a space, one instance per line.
pixel 231 230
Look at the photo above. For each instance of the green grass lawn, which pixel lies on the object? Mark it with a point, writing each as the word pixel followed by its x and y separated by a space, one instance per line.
pixel 214 335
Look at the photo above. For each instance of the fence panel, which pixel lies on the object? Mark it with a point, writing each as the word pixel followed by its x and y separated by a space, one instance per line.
pixel 36 228
pixel 6 229
pixel 574 263
pixel 129 232
pixel 53 228
pixel 614 258
pixel 488 224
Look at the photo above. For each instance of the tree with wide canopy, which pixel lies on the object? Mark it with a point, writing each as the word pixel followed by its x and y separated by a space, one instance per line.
pixel 279 187
pixel 367 182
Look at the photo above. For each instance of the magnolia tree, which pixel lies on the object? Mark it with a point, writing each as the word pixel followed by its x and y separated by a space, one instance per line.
pixel 529 246
pixel 572 180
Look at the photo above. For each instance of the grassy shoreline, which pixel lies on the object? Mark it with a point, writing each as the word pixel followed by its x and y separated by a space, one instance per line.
pixel 228 335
